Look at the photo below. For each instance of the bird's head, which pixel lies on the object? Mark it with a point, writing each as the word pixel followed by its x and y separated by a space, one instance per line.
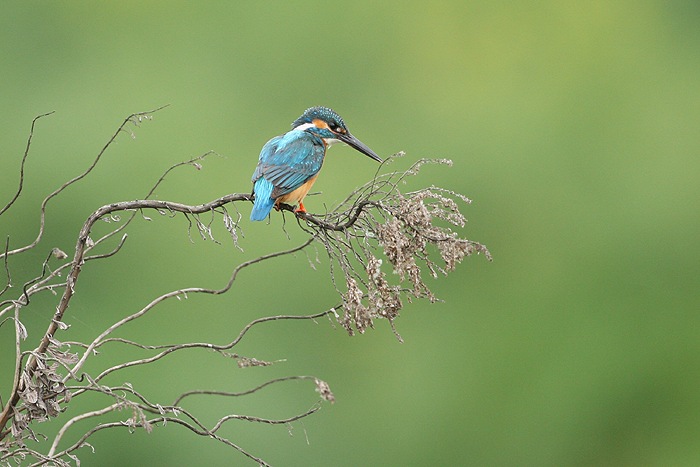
pixel 327 125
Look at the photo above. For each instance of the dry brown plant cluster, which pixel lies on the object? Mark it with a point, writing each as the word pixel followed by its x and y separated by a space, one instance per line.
pixel 381 243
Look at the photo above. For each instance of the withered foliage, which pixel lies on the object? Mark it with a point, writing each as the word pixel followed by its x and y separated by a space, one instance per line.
pixel 383 244
pixel 380 229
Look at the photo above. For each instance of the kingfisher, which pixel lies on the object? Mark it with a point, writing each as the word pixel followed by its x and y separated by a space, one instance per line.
pixel 289 163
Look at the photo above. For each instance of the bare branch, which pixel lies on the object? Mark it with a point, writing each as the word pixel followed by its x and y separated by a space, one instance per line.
pixel 24 159
pixel 139 419
pixel 7 268
pixel 200 392
pixel 378 228
pixel 164 419
pixel 77 418
pixel 176 293
pixel 137 117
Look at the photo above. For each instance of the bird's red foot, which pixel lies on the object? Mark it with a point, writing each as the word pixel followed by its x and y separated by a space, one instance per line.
pixel 301 209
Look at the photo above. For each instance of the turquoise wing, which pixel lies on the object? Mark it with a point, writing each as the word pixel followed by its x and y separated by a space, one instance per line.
pixel 289 161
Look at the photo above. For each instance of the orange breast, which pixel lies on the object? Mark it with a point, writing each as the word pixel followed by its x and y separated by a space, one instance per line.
pixel 296 196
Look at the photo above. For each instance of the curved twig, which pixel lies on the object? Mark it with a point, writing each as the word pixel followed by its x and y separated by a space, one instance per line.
pixel 24 159
pixel 42 218
pixel 176 293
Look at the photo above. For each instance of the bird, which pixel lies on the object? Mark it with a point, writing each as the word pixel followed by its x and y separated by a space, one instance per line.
pixel 289 164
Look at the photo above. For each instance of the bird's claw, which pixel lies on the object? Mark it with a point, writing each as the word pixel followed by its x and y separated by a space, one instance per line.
pixel 301 209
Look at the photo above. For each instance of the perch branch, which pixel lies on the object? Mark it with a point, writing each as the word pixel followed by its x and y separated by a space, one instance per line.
pixel 83 244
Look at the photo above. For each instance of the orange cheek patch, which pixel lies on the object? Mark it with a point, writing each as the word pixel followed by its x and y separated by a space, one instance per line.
pixel 320 123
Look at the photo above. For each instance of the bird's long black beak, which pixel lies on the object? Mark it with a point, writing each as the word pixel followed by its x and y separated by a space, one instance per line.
pixel 359 145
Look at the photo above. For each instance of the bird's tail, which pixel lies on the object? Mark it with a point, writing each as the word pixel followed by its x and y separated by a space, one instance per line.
pixel 263 202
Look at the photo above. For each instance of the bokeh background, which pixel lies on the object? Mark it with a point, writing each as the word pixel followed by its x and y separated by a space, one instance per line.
pixel 574 126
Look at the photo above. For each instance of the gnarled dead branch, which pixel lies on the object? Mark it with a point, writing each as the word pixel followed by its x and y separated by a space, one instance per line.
pixel 379 229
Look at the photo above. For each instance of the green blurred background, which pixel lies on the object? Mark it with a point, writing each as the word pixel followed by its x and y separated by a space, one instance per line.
pixel 573 125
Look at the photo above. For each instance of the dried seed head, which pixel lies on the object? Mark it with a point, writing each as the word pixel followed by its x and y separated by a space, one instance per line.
pixel 413 233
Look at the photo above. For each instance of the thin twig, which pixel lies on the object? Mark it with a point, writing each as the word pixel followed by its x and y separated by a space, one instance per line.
pixel 200 392
pixel 77 418
pixel 177 293
pixel 7 267
pixel 24 159
pixel 57 191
